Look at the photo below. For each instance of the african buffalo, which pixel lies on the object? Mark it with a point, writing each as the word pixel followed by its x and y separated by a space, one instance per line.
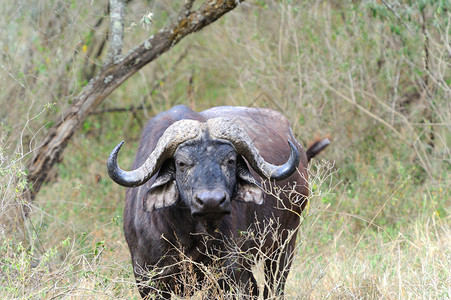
pixel 203 180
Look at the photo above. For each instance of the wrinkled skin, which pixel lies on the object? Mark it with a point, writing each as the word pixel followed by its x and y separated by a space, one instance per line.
pixel 207 189
pixel 206 178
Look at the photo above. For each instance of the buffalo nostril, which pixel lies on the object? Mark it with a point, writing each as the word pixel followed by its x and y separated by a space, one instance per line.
pixel 210 198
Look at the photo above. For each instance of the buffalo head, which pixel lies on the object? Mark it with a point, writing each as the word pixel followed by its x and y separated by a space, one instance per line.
pixel 200 165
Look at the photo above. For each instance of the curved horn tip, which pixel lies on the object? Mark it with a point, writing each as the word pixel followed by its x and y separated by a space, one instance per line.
pixel 294 154
pixel 113 155
pixel 112 167
pixel 120 145
pixel 286 170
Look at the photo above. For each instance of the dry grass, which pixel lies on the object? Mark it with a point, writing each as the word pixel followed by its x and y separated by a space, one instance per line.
pixel 338 260
pixel 375 75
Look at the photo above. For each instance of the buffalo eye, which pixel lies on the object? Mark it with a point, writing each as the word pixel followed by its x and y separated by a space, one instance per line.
pixel 182 166
pixel 231 161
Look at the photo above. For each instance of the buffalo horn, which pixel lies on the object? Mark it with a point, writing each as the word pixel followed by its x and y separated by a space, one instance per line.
pixel 176 134
pixel 223 128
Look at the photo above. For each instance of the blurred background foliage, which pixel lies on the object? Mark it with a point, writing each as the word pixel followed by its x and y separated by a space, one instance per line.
pixel 373 75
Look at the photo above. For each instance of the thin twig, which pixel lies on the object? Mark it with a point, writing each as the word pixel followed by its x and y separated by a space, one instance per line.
pixel 121 109
pixel 397 16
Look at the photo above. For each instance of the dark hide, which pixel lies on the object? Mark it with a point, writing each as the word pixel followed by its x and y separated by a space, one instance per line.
pixel 161 228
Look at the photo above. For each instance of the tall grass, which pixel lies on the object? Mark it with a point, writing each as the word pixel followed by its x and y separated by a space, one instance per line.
pixel 374 75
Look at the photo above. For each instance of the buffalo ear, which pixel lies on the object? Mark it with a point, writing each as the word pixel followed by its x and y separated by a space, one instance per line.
pixel 248 189
pixel 163 192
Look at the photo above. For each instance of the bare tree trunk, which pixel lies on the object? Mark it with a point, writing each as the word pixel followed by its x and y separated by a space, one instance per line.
pixel 117 11
pixel 111 76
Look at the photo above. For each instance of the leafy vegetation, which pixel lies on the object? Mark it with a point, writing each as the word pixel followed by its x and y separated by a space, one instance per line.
pixel 374 75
